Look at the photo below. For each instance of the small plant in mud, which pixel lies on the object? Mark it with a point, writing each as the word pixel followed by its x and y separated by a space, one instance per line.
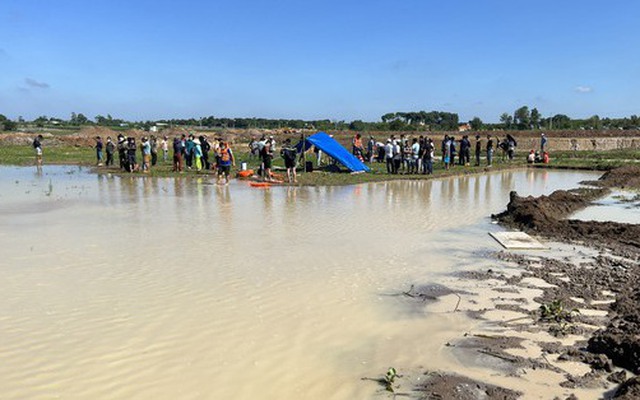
pixel 556 312
pixel 389 379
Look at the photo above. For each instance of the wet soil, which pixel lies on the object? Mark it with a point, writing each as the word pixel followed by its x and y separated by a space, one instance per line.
pixel 600 282
pixel 444 386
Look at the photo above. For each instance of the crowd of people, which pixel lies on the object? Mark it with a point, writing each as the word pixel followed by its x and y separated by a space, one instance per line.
pixel 189 152
pixel 401 155
pixel 417 155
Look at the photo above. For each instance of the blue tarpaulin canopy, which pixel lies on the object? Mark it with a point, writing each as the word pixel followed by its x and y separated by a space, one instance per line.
pixel 335 150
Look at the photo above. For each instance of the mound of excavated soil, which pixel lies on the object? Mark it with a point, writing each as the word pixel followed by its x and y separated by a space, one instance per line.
pixel 542 213
pixel 627 177
pixel 544 216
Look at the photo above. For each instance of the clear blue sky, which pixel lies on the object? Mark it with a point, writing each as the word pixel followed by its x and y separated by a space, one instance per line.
pixel 344 59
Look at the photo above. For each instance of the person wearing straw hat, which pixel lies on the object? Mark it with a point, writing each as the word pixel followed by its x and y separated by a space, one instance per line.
pixel 197 154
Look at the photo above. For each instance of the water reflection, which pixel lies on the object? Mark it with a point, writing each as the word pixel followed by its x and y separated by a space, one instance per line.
pixel 155 285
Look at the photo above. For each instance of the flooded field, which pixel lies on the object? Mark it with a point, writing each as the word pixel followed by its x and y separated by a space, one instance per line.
pixel 167 288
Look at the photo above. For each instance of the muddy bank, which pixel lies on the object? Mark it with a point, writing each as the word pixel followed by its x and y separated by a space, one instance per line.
pixel 443 386
pixel 545 215
pixel 575 316
pixel 554 306
pixel 627 177
pixel 619 341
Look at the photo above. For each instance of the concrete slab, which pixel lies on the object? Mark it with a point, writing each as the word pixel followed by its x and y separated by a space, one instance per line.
pixel 517 241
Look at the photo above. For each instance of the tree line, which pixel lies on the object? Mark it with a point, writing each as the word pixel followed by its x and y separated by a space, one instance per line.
pixel 522 118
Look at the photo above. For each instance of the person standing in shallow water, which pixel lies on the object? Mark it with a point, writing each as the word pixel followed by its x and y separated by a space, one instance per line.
pixel 289 155
pixel 197 154
pixel 165 148
pixel 225 161
pixel 37 147
pixel 267 155
pixel 177 154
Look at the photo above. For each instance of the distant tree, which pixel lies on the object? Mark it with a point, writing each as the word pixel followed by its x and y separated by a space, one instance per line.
pixel 41 120
pixel 476 124
pixel 6 124
pixel 357 125
pixel 593 122
pixel 81 119
pixel 506 120
pixel 397 125
pixel 561 121
pixel 388 117
pixel 535 118
pixel 522 118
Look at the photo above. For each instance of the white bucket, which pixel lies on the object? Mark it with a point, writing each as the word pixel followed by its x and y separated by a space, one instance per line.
pixel 243 166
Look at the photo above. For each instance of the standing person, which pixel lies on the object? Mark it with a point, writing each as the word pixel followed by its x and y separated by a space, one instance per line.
pixel 397 156
pixel 478 149
pixel 267 156
pixel 371 146
pixel 206 147
pixel 452 152
pixel 99 148
pixel 225 160
pixel 543 142
pixel 197 154
pixel 177 154
pixel 358 149
pixel 145 148
pixel 415 157
pixel 122 152
pixel 165 148
pixel 511 146
pixel 467 151
pixel 273 144
pixel 446 147
pixel 427 156
pixel 153 142
pixel 183 143
pixel 489 150
pixel 37 147
pixel 289 154
pixel 464 150
pixel 132 163
pixel 388 156
pixel 111 148
pixel 253 147
pixel 189 145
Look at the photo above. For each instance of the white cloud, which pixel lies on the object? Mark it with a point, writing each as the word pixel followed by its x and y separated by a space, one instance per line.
pixel 583 89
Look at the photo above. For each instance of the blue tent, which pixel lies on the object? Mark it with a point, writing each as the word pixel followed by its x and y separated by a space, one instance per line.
pixel 335 150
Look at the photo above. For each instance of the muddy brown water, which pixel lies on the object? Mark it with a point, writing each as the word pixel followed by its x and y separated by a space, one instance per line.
pixel 177 288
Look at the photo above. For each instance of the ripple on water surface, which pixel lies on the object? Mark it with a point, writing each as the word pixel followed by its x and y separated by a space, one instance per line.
pixel 170 288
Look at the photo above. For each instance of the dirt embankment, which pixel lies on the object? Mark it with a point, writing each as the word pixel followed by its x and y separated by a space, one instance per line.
pixel 620 340
pixel 545 215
